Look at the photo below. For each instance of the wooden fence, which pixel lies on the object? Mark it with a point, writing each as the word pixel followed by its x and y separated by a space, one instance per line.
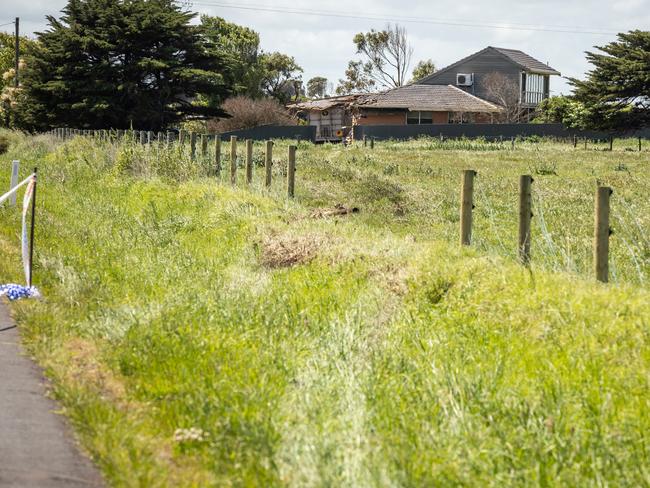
pixel 602 230
pixel 199 147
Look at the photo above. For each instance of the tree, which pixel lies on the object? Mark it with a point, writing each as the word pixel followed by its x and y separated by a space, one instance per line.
pixel 357 79
pixel 9 95
pixel 423 69
pixel 562 110
pixel 504 91
pixel 8 56
pixel 281 77
pixel 240 47
pixel 616 92
pixel 317 87
pixel 387 55
pixel 119 64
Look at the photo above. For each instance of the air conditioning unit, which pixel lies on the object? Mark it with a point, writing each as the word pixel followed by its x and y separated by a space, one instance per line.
pixel 464 79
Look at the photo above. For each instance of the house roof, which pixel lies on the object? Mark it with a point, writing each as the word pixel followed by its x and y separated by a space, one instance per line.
pixel 527 62
pixel 433 98
pixel 520 58
pixel 323 103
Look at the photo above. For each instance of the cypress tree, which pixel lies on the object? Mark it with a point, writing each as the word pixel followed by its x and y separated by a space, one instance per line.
pixel 616 92
pixel 121 64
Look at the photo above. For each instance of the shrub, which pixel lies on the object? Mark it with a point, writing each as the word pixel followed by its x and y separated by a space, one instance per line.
pixel 247 112
pixel 4 144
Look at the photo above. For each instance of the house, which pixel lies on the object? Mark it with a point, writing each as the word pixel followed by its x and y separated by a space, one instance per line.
pixel 410 104
pixel 470 74
pixel 422 104
pixel 328 115
pixel 463 92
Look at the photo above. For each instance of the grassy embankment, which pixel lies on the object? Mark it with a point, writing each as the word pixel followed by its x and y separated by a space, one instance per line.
pixel 364 350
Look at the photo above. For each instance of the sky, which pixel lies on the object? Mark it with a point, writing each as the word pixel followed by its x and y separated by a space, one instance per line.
pixel 319 34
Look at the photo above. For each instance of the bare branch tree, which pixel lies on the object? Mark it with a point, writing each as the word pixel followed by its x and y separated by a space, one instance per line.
pixel 504 91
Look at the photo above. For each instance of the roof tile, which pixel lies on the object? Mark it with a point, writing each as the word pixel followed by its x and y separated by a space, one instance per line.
pixel 435 98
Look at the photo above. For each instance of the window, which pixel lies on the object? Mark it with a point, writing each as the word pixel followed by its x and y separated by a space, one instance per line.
pixel 426 117
pixel 418 117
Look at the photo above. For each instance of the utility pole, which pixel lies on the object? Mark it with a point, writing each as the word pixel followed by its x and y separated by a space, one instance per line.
pixel 17 50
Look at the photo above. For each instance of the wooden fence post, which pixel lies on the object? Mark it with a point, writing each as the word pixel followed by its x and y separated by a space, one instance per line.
pixel 291 172
pixel 217 155
pixel 170 136
pixel 585 143
pixel 466 206
pixel 365 141
pixel 233 159
pixel 639 144
pixel 268 162
pixel 143 136
pixel 512 143
pixel 193 145
pixel 525 215
pixel 575 141
pixel 15 167
pixel 602 233
pixel 149 137
pixel 611 143
pixel 249 161
pixel 372 142
pixel 204 146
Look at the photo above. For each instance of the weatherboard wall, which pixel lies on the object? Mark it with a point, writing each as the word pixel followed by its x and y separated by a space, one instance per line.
pixel 480 65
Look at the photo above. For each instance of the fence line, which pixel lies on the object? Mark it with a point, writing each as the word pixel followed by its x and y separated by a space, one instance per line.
pixel 602 230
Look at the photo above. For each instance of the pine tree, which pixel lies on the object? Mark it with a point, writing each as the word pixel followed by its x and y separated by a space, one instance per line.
pixel 120 64
pixel 616 93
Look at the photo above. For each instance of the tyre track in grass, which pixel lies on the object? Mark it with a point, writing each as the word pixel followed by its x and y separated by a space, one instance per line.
pixel 326 435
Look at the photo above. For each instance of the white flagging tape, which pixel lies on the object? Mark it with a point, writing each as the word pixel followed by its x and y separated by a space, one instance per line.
pixel 13 291
pixel 29 191
pixel 16 188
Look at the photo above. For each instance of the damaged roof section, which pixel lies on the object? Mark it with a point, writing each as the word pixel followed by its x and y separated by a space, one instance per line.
pixel 324 103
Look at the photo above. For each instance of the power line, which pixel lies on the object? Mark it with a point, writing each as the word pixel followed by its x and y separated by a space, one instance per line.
pixel 8 23
pixel 393 18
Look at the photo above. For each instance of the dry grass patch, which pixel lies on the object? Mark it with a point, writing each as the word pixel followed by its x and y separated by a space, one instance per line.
pixel 284 251
pixel 338 210
pixel 84 367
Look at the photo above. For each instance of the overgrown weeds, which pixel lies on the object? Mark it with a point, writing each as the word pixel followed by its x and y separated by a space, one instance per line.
pixel 203 334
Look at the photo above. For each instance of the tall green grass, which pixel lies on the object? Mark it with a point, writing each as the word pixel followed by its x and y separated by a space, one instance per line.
pixel 188 353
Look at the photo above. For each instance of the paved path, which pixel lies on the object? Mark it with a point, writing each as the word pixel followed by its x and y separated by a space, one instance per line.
pixel 36 446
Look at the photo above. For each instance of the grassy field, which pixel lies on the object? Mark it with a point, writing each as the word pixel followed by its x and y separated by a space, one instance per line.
pixel 199 334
